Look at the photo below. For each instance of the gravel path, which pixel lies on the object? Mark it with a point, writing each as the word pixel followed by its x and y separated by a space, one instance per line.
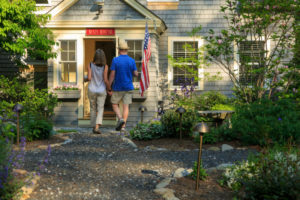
pixel 106 167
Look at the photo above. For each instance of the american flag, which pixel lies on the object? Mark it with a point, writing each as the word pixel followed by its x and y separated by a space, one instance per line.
pixel 144 81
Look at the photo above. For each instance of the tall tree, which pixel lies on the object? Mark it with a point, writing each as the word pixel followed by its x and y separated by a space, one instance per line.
pixel 255 48
pixel 22 32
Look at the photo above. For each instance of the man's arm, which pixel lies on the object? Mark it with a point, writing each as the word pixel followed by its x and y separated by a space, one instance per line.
pixel 111 78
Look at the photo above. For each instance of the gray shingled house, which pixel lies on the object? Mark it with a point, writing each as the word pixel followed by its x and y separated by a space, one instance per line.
pixel 81 26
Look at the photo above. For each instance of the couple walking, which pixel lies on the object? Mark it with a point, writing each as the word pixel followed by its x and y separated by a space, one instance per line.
pixel 119 85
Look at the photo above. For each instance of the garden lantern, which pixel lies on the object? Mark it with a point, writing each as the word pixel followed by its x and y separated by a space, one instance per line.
pixel 46 109
pixel 142 109
pixel 201 128
pixel 180 110
pixel 18 108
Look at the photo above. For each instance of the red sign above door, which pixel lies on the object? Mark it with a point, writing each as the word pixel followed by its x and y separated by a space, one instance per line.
pixel 100 31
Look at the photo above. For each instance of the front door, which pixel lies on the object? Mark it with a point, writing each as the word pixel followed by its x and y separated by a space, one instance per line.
pixel 109 47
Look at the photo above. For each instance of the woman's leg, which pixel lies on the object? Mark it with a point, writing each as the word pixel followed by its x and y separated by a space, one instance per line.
pixel 93 106
pixel 100 108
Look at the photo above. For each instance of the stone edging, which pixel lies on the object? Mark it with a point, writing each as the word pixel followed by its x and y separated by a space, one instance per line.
pixel 27 189
pixel 64 137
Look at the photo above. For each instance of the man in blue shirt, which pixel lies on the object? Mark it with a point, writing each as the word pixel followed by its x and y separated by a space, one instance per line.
pixel 123 68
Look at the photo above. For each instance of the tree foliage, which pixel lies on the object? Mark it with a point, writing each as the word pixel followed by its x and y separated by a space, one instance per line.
pixel 268 23
pixel 22 31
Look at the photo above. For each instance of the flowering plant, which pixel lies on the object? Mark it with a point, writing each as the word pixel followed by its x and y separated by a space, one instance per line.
pixel 273 174
pixel 66 87
pixel 11 159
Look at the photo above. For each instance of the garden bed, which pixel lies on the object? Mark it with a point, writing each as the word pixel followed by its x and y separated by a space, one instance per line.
pixel 175 144
pixel 54 139
pixel 208 190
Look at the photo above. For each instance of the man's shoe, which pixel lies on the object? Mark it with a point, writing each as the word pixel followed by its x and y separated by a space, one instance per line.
pixel 96 131
pixel 120 123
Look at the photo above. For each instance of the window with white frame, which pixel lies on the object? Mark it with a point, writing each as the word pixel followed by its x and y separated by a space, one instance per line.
pixel 136 52
pixel 184 71
pixel 68 61
pixel 251 56
pixel 43 2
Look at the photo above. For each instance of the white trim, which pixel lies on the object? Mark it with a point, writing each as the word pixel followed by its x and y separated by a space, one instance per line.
pixel 171 41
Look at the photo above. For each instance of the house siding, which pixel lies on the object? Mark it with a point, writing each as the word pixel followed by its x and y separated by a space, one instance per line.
pixel 190 14
pixel 66 113
pixel 86 10
pixel 7 67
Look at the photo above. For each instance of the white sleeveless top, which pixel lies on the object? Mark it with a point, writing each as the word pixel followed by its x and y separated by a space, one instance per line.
pixel 97 84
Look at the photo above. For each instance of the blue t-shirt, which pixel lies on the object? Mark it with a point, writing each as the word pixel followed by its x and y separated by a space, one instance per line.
pixel 124 66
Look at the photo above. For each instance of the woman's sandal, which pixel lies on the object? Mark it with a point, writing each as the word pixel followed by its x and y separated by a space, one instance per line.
pixel 96 131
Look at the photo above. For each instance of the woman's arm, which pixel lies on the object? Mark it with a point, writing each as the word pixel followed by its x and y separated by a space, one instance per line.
pixel 89 73
pixel 105 77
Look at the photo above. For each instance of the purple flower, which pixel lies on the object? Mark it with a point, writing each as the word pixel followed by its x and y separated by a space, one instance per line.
pixel 279 119
pixel 220 41
pixel 11 130
pixel 49 149
pixel 295 90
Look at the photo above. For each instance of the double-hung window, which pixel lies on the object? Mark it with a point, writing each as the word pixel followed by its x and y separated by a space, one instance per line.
pixel 68 62
pixel 185 69
pixel 43 2
pixel 136 52
pixel 252 56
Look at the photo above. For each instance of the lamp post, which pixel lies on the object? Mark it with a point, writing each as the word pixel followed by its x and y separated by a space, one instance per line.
pixel 180 110
pixel 100 4
pixel 46 110
pixel 201 128
pixel 18 108
pixel 142 109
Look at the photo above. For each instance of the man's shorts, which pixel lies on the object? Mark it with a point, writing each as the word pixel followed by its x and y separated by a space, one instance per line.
pixel 117 96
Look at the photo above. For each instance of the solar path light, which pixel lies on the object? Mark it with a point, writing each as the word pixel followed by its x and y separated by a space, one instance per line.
pixel 142 109
pixel 18 108
pixel 201 128
pixel 180 110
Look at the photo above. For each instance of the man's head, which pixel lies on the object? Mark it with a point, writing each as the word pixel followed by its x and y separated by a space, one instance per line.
pixel 123 47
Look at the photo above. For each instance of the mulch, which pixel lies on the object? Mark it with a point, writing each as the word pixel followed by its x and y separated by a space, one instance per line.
pixel 209 189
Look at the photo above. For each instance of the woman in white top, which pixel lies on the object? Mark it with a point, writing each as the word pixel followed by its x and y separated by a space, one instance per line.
pixel 97 75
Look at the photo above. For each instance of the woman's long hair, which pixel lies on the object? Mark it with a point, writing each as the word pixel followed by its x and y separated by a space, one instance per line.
pixel 99 58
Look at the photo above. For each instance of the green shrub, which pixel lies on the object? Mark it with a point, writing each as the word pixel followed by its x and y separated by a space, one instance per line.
pixel 263 122
pixel 171 123
pixel 35 102
pixel 202 175
pixel 35 128
pixel 38 107
pixel 209 99
pixel 271 175
pixel 209 138
pixel 147 131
